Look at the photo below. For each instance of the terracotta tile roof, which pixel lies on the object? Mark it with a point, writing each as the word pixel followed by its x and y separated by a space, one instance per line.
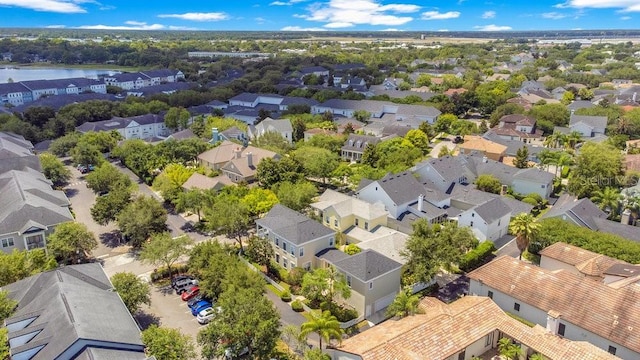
pixel 632 162
pixel 596 266
pixel 480 144
pixel 610 313
pixel 444 330
pixel 568 254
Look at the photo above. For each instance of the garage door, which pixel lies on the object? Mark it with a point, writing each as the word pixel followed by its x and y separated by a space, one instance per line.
pixel 383 302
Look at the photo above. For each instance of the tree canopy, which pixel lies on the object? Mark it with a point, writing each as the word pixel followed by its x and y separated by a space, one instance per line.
pixel 168 344
pixel 142 218
pixel 72 242
pixel 133 290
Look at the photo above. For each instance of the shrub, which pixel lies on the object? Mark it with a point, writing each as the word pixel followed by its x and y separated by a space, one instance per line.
pixel 477 256
pixel 340 312
pixel 297 306
pixel 294 278
pixel 530 201
pixel 163 272
pixel 352 249
pixel 286 296
pixel 277 272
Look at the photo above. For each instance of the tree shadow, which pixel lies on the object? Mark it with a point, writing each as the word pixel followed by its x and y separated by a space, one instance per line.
pixel 111 239
pixel 454 290
pixel 70 192
pixel 145 319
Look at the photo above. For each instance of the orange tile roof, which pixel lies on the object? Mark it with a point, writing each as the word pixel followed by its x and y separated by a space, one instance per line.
pixel 611 313
pixel 478 143
pixel 445 330
pixel 567 253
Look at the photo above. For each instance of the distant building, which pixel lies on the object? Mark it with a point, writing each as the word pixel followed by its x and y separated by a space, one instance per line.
pixel 136 127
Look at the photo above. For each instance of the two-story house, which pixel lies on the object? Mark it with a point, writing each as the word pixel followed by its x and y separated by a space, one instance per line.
pixel 488 221
pixel 517 127
pixel 135 127
pixel 566 304
pixel 355 145
pixel 587 125
pixel 282 127
pixel 294 237
pixel 342 212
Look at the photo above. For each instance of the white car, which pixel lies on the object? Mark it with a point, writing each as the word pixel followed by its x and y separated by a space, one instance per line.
pixel 204 316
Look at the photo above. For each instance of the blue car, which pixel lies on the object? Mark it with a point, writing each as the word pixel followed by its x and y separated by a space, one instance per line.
pixel 199 306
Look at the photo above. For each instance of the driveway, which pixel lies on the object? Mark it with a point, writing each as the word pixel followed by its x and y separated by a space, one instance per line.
pixel 436 149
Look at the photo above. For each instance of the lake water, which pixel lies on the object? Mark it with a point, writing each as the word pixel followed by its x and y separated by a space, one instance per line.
pixel 24 74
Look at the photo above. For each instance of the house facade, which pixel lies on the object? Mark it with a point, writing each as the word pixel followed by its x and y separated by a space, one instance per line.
pixel 488 221
pixel 355 145
pixel 566 304
pixel 341 212
pixel 136 127
pixel 282 127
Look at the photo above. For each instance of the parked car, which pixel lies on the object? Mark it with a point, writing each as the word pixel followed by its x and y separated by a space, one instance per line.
pixel 204 316
pixel 234 353
pixel 199 306
pixel 184 286
pixel 191 292
pixel 194 300
pixel 179 280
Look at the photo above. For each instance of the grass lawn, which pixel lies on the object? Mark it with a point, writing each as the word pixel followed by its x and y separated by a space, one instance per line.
pixel 526 322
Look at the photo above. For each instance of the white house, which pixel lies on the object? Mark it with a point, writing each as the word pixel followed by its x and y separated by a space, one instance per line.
pixel 282 127
pixel 587 125
pixel 136 127
pixel 488 221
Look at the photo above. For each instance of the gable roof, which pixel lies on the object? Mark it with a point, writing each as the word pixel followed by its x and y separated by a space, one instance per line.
pixel 358 143
pixel 226 151
pixel 610 313
pixel 492 210
pixel 445 330
pixel 72 304
pixel 477 143
pixel 581 212
pixel 592 121
pixel 278 126
pixel 401 188
pixel 293 226
pixel 199 181
pixel 367 265
pixel 345 205
pixel 15 155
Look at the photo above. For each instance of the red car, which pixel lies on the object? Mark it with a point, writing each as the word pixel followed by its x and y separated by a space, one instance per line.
pixel 187 295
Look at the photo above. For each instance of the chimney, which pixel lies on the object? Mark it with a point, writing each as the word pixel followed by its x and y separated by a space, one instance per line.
pixel 485 159
pixel 553 321
pixel 250 159
pixel 238 153
pixel 420 201
pixel 625 217
pixel 634 96
pixel 215 137
pixel 503 189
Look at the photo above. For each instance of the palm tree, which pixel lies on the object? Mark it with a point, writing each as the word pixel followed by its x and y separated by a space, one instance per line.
pixel 633 204
pixel 557 139
pixel 325 325
pixel 404 304
pixel 608 200
pixel 525 228
pixel 563 160
pixel 573 139
pixel 508 349
pixel 536 356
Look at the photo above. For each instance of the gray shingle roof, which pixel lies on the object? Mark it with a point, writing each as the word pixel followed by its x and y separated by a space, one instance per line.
pixel 613 227
pixel 593 121
pixel 367 265
pixel 582 212
pixel 358 143
pixel 71 305
pixel 492 210
pixel 15 156
pixel 293 226
pixel 401 188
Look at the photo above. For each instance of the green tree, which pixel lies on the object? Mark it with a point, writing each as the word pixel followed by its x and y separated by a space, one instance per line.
pixel 176 118
pixel 105 178
pixel 168 343
pixel 418 139
pixel 247 320
pixel 444 151
pixel 567 98
pixel 20 264
pixel 54 170
pixel 296 196
pixel 169 182
pixel 325 325
pixel 428 250
pixel 322 284
pixel 273 141
pixel 165 250
pixel 597 166
pixel 299 128
pixel 317 162
pixel 62 146
pixel 259 201
pixel 192 200
pixel 7 305
pixel 86 154
pixel 585 94
pixel 509 350
pixel 133 290
pixel 107 207
pixel 72 242
pixel 362 115
pixel 488 183
pixel 521 161
pixel 259 250
pixel 525 228
pixel 370 155
pixel 404 304
pixel 228 216
pixel 608 200
pixel 142 218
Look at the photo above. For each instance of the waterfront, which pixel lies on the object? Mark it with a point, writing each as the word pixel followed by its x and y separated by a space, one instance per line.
pixel 23 74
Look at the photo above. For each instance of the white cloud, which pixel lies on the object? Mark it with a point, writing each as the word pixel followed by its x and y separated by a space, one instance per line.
pixel 55 26
pixel 358 12
pixel 298 28
pixel 624 5
pixel 211 16
pixel 130 25
pixel 553 16
pixel 286 3
pixel 492 27
pixel 392 29
pixel 435 15
pixel 338 25
pixel 57 6
pixel 488 14
pixel 443 30
pixel 625 18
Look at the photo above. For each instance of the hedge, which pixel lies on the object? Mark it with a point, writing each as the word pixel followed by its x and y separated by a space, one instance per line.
pixel 296 306
pixel 477 257
pixel 286 296
pixel 163 272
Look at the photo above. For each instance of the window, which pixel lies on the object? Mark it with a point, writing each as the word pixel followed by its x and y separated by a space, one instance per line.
pixel 277 242
pixel 488 339
pixel 349 280
pixel 473 214
pixel 35 242
pixel 285 263
pixel 612 350
pixel 293 251
pixel 331 241
pixel 284 246
pixel 278 258
pixel 326 220
pixel 301 252
pixel 307 265
pixel 371 285
pixel 542 186
pixel 8 242
pixel 471 222
pixel 356 221
pixel 516 306
pixel 561 329
pixel 366 225
pixel 335 222
pixel 490 294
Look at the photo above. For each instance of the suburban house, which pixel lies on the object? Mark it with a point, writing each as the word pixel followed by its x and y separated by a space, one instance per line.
pixel 566 304
pixel 136 127
pixel 488 221
pixel 488 148
pixel 374 278
pixel 355 145
pixel 279 102
pixel 467 328
pixel 282 127
pixel 583 212
pixel 342 212
pixel 29 208
pixel 518 127
pixel 226 151
pixel 71 312
pixel 295 238
pixel 130 81
pixel 394 191
pixel 314 70
pixel 202 182
pixel 587 125
pixel 380 110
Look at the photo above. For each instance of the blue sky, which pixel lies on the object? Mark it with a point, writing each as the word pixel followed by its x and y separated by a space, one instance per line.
pixel 333 15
